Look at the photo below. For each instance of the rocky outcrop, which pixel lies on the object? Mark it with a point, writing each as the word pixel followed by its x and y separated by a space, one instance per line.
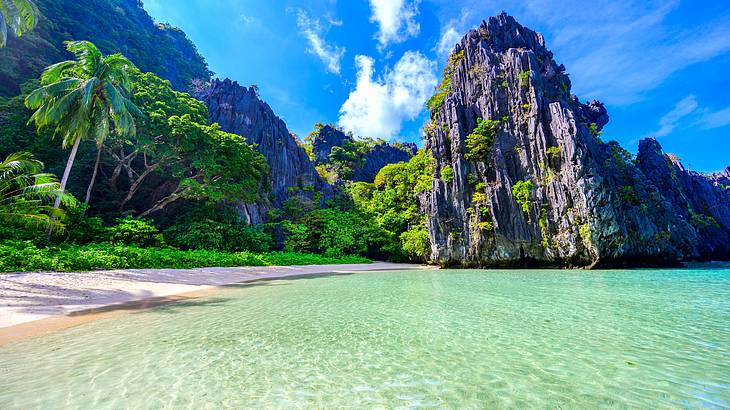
pixel 239 110
pixel 369 156
pixel 380 155
pixel 534 184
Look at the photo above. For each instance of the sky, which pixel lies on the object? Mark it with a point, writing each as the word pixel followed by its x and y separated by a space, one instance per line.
pixel 661 67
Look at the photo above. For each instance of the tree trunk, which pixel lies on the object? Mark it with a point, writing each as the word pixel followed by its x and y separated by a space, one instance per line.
pixel 164 202
pixel 93 175
pixel 64 180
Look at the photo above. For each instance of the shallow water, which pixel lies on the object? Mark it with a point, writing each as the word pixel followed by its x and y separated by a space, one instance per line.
pixel 456 339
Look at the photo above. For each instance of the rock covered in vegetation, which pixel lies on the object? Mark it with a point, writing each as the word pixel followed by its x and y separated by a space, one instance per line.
pixel 239 110
pixel 522 176
pixel 365 156
pixel 114 26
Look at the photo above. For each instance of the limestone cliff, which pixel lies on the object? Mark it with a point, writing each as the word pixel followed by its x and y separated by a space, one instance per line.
pixel 239 110
pixel 368 157
pixel 522 176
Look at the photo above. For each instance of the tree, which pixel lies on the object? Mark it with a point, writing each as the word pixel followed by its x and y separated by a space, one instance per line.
pixel 19 16
pixel 25 193
pixel 177 148
pixel 83 98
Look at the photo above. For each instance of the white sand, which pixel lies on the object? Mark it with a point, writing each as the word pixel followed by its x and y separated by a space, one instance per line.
pixel 26 297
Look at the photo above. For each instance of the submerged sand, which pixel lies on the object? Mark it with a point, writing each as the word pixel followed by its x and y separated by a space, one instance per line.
pixel 34 302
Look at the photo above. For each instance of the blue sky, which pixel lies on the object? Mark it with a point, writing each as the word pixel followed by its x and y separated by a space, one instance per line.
pixel 661 67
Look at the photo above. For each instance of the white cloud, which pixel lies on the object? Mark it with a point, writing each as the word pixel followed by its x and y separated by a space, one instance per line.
pixel 396 20
pixel 312 31
pixel 687 106
pixel 378 107
pixel 246 20
pixel 448 39
pixel 716 119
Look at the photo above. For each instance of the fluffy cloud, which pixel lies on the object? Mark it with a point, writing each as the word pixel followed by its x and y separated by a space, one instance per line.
pixel 378 107
pixel 312 31
pixel 687 106
pixel 448 39
pixel 395 19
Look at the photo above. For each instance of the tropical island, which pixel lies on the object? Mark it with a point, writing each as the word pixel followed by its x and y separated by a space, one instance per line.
pixel 121 151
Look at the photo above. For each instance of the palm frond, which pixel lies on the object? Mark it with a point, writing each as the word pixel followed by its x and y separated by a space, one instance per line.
pixel 3 30
pixel 56 72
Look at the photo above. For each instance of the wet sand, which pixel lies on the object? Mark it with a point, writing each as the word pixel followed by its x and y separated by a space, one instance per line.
pixel 34 303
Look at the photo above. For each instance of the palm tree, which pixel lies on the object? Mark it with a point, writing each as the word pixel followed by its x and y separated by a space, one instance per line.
pixel 19 16
pixel 26 193
pixel 83 98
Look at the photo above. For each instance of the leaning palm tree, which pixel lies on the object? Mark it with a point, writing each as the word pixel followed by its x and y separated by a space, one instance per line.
pixel 83 99
pixel 26 194
pixel 19 16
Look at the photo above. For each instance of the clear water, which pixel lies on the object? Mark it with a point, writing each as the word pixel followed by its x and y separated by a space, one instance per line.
pixel 454 339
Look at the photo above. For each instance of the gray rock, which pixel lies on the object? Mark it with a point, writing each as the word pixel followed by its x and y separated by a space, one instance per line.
pixel 369 163
pixel 590 206
pixel 239 110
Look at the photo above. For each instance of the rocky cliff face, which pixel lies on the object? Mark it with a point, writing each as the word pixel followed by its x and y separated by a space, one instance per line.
pixel 239 110
pixel 534 183
pixel 368 162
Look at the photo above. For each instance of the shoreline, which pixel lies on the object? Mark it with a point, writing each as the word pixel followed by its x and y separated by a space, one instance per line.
pixel 37 303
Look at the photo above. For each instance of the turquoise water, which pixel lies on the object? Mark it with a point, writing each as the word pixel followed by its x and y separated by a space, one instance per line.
pixel 454 339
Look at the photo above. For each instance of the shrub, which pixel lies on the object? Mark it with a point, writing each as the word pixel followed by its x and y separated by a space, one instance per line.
pixel 447 174
pixel 17 256
pixel 479 142
pixel 522 191
pixel 138 232
pixel 437 100
pixel 553 152
pixel 524 77
pixel 629 196
pixel 416 242
pixel 220 236
pixel 702 221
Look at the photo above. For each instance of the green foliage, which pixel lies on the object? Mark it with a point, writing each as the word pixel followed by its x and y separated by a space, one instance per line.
pixel 447 174
pixel 628 195
pixel 26 194
pixel 524 77
pixel 116 27
pixel 416 242
pixel 522 191
pixel 702 220
pixel 85 97
pixel 593 128
pixel 437 100
pixel 553 152
pixel 390 202
pixel 479 142
pixel 218 236
pixel 585 232
pixel 135 232
pixel 565 88
pixel 19 16
pixel 17 256
pixel 176 144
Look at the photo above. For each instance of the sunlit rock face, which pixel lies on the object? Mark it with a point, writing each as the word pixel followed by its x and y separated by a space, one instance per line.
pixel 239 110
pixel 369 163
pixel 583 202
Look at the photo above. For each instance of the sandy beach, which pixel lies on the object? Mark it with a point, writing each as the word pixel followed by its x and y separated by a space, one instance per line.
pixel 34 302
